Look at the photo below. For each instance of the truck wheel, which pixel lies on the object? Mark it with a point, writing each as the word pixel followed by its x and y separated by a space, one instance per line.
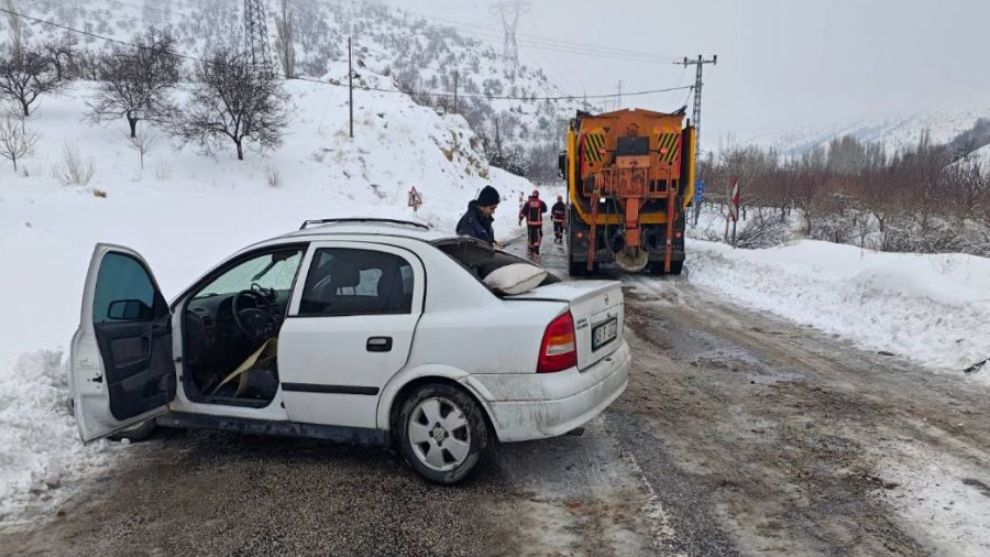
pixel 443 433
pixel 136 433
pixel 577 269
pixel 675 268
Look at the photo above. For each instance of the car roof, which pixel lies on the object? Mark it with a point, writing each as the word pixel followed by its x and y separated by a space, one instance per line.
pixel 369 226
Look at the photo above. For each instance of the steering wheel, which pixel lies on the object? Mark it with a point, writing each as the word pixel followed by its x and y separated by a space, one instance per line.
pixel 257 322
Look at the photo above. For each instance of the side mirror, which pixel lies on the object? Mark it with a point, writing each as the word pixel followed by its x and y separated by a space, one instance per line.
pixel 130 310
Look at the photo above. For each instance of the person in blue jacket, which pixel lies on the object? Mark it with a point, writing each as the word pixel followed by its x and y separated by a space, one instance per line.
pixel 477 221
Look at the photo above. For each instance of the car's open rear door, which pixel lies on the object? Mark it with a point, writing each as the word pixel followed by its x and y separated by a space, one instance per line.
pixel 122 371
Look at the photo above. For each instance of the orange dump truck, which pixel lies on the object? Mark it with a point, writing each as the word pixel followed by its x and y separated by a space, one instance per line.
pixel 630 178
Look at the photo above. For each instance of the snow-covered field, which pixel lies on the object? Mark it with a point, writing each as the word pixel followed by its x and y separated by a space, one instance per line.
pixel 932 308
pixel 185 213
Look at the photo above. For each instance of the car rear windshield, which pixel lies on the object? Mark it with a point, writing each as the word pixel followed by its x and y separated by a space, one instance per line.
pixel 480 259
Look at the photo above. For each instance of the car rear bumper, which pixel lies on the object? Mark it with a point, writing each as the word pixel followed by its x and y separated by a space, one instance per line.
pixel 536 406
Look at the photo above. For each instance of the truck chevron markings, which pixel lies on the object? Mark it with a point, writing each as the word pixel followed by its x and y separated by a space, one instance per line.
pixel 669 146
pixel 594 147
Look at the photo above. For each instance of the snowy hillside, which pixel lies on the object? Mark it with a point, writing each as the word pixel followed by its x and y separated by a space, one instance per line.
pixel 186 212
pixel 415 55
pixel 897 134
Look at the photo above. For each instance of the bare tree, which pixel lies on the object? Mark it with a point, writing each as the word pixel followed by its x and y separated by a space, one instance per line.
pixel 62 54
pixel 234 101
pixel 15 142
pixel 135 83
pixel 26 76
pixel 284 42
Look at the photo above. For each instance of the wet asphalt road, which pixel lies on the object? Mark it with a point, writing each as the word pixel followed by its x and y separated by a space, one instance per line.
pixel 739 434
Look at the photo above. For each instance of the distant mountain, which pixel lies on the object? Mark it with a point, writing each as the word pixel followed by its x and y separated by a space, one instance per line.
pixel 896 134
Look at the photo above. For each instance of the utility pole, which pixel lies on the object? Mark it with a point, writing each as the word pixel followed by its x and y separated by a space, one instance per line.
pixel 256 35
pixel 350 84
pixel 508 12
pixel 618 97
pixel 455 91
pixel 698 83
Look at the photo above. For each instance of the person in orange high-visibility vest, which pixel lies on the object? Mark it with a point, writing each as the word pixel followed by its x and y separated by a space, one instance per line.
pixel 533 212
pixel 559 216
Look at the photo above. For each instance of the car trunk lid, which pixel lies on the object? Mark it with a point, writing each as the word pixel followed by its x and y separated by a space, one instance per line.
pixel 598 309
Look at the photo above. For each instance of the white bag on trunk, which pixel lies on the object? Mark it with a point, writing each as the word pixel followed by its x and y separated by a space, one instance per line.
pixel 517 278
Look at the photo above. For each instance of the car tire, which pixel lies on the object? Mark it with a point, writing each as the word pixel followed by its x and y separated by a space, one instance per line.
pixel 136 433
pixel 443 433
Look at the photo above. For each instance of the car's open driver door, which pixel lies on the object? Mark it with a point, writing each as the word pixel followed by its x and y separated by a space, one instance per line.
pixel 122 371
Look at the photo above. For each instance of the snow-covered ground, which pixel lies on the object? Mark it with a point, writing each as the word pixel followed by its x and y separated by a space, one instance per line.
pixel 932 308
pixel 185 213
pixel 942 497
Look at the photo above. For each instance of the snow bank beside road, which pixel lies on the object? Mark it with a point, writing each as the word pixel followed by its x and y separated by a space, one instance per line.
pixel 35 418
pixel 932 308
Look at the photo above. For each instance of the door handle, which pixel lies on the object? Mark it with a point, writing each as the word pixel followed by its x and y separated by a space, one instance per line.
pixel 379 344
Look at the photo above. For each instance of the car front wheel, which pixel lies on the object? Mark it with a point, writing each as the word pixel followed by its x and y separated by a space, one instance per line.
pixel 443 433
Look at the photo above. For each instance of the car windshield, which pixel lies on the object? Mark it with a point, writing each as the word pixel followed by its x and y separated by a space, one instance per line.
pixel 273 270
pixel 480 259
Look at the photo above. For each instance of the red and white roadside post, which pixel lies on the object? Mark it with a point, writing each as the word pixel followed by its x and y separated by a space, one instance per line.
pixel 415 200
pixel 734 209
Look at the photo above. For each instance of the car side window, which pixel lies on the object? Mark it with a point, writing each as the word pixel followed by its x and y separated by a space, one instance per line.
pixel 357 282
pixel 124 291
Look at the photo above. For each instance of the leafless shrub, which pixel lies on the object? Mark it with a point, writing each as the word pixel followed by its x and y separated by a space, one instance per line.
pixel 162 170
pixel 274 178
pixel 73 169
pixel 143 143
pixel 762 230
pixel 15 141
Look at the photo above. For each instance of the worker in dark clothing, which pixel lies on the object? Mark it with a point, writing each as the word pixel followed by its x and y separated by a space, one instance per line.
pixel 477 221
pixel 559 216
pixel 533 212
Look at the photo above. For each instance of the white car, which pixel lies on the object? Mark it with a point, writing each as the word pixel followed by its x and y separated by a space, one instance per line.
pixel 351 330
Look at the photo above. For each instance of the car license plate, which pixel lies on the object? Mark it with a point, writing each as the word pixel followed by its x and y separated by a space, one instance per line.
pixel 604 333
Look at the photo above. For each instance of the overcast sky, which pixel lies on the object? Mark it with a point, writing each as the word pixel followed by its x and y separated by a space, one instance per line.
pixel 783 64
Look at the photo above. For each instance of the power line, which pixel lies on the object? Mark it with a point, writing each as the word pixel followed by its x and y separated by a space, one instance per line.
pixel 358 87
pixel 539 39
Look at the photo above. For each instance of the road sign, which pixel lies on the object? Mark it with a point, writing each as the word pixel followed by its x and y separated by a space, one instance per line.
pixel 699 191
pixel 415 200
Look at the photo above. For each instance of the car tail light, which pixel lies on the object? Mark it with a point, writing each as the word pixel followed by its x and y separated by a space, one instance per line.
pixel 558 351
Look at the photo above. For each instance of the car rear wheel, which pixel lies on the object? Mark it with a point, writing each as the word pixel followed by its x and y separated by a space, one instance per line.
pixel 443 433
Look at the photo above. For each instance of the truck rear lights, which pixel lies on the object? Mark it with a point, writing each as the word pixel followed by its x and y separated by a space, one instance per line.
pixel 558 351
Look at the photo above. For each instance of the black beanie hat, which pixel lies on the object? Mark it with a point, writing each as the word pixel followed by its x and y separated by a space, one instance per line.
pixel 489 196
